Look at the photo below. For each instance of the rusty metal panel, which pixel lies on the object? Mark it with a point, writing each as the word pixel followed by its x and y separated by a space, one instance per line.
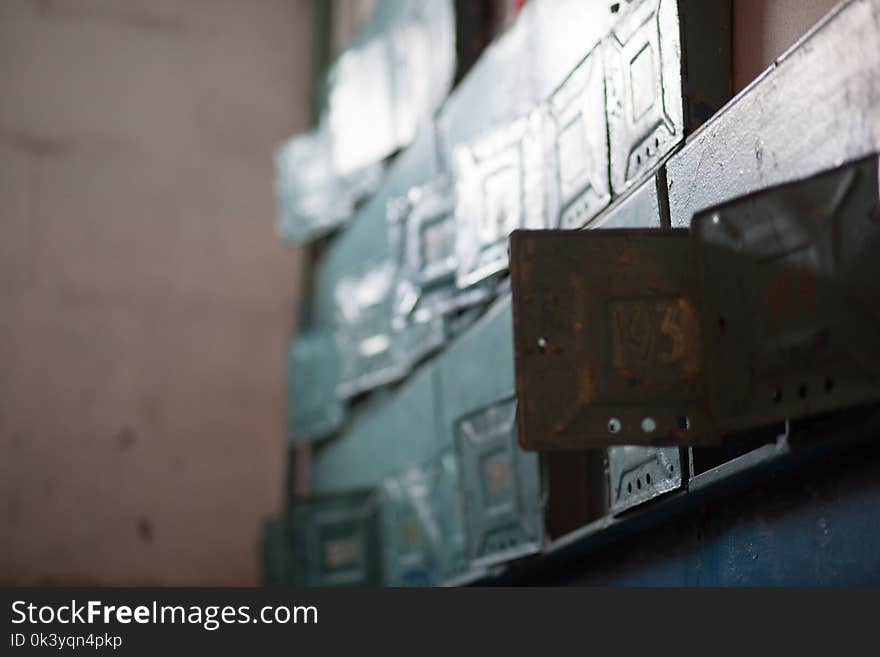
pixel 607 338
pixel 501 487
pixel 813 109
pixel 500 185
pixel 792 285
pixel 639 474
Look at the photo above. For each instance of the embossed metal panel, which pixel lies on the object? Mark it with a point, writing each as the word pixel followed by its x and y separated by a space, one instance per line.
pixel 422 232
pixel 314 410
pixel 578 135
pixel 643 63
pixel 607 338
pixel 501 485
pixel 393 75
pixel 792 280
pixel 500 185
pixel 639 474
pixel 335 540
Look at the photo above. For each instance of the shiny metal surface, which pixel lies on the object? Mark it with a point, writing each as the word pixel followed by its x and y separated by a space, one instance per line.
pixel 639 474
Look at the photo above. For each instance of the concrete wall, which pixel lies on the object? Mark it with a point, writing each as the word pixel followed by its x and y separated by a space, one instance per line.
pixel 145 301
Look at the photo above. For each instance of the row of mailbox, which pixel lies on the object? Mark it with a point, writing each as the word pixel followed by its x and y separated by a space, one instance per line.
pixel 427 482
pixel 428 250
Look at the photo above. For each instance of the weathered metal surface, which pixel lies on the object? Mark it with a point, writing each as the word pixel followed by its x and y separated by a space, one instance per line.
pixel 607 339
pixel 792 281
pixel 578 136
pixel 389 433
pixel 765 311
pixel 355 283
pixel 815 107
pixel 335 540
pixel 314 410
pixel 423 525
pixel 311 198
pixel 500 185
pixel 639 474
pixel 422 240
pixel 391 78
pixel 796 518
pixel 643 68
pixel 501 486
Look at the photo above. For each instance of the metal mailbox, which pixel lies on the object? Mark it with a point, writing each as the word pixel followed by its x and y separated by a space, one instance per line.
pixel 314 410
pixel 422 525
pixel 312 197
pixel 389 80
pixel 407 530
pixel 764 311
pixel 500 185
pixel 501 485
pixel 356 282
pixel 578 129
pixel 422 232
pixel 335 539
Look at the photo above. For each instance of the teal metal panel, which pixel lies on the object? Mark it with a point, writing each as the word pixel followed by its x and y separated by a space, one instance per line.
pixel 335 540
pixel 396 431
pixel 500 484
pixel 314 410
pixel 355 281
pixel 423 540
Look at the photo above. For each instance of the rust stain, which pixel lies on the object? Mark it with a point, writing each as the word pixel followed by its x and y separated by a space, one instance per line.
pixel 586 390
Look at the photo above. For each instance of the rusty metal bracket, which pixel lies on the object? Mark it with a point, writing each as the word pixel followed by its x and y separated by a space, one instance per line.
pixel 765 310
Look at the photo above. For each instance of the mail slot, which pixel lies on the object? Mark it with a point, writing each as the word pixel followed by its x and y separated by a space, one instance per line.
pixel 764 311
